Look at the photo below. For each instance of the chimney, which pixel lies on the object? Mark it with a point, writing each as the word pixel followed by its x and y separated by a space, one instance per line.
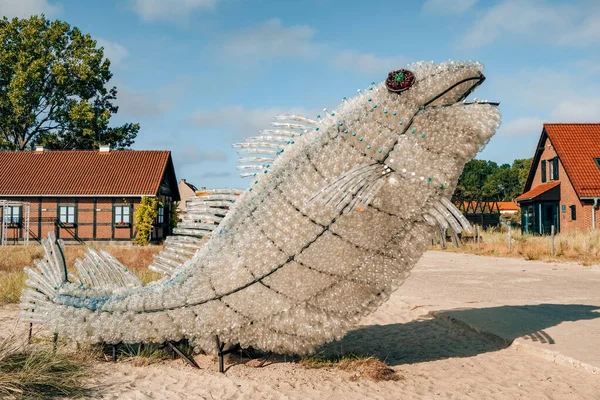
pixel 104 148
pixel 39 149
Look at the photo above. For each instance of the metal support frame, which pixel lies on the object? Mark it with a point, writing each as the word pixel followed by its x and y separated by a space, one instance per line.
pixel 221 352
pixel 25 219
pixel 187 359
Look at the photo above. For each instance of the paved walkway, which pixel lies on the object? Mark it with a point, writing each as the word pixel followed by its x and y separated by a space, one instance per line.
pixel 552 309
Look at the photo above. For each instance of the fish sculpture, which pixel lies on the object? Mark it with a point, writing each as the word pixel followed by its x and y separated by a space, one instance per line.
pixel 339 210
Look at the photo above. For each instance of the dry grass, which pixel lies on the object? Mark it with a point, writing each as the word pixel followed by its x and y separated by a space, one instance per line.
pixel 359 366
pixel 14 258
pixel 578 246
pixel 36 373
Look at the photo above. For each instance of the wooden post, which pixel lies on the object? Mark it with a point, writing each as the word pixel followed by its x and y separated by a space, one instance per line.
pixel 509 239
pixel 478 239
pixel 552 241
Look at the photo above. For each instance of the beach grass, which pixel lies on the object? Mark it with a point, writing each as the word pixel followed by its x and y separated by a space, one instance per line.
pixel 14 258
pixel 360 366
pixel 578 246
pixel 28 372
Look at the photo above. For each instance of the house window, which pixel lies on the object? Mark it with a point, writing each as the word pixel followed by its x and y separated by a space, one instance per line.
pixel 161 215
pixel 543 170
pixel 121 215
pixel 597 161
pixel 553 168
pixel 573 213
pixel 13 214
pixel 66 214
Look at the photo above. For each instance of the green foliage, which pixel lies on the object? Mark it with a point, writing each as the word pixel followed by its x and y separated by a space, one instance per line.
pixel 53 88
pixel 485 180
pixel 144 219
pixel 174 216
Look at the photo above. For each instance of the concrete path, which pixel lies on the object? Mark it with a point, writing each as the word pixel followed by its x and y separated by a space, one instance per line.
pixel 552 309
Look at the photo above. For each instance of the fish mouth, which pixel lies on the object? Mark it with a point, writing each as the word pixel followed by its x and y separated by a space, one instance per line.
pixel 477 81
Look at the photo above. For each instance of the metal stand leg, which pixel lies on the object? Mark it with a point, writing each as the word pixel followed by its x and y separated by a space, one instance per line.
pixel 30 333
pixel 187 359
pixel 114 353
pixel 220 354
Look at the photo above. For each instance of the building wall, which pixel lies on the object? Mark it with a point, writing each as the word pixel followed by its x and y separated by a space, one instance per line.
pixel 568 195
pixel 185 192
pixel 94 219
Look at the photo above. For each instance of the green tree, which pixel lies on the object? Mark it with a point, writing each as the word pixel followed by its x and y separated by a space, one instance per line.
pixel 53 88
pixel 522 167
pixel 471 181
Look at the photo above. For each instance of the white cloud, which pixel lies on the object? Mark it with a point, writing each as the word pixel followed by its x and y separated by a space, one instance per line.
pixel 141 104
pixel 240 121
pixel 149 103
pixel 577 109
pixel 215 174
pixel 526 126
pixel 171 10
pixel 191 155
pixel 272 40
pixel 27 8
pixel 447 6
pixel 115 52
pixel 563 24
pixel 366 62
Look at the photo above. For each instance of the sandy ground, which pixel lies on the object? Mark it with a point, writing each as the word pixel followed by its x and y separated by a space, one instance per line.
pixel 436 357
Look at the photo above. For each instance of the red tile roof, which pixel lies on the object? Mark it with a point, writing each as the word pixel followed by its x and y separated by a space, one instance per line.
pixel 82 173
pixel 537 190
pixel 508 206
pixel 577 145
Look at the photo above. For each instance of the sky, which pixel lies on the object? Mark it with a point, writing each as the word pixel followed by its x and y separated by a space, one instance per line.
pixel 199 75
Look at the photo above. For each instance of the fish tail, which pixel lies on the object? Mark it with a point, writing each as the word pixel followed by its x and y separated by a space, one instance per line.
pixel 97 273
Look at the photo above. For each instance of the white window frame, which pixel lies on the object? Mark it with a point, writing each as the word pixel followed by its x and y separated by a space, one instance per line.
pixel 10 216
pixel 69 214
pixel 123 216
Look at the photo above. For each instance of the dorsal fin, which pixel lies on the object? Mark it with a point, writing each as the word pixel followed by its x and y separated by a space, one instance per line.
pixel 205 211
pixel 270 143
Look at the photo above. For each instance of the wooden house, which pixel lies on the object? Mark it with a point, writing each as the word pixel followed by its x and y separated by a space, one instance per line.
pixel 83 195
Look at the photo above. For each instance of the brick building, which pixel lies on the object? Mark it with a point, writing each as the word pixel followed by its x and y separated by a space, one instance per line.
pixel 84 195
pixel 563 185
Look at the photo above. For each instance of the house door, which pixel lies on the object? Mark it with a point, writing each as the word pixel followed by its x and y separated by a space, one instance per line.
pixel 549 215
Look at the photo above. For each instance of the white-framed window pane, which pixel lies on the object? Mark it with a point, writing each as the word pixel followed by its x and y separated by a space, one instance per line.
pixel 118 214
pixel 67 214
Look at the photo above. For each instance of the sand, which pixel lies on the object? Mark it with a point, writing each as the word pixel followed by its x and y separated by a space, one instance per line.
pixel 436 359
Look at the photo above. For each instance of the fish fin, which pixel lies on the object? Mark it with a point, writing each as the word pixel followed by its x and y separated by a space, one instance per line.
pixel 43 281
pixel 466 226
pixel 205 211
pixel 354 188
pixel 101 270
pixel 261 151
pixel 446 216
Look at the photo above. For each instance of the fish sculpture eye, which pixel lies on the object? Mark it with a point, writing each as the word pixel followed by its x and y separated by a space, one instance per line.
pixel 399 80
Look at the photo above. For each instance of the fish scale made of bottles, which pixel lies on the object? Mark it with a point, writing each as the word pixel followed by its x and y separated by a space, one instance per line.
pixel 339 210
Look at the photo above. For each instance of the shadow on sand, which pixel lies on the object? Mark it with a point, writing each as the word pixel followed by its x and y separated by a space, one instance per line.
pixel 429 339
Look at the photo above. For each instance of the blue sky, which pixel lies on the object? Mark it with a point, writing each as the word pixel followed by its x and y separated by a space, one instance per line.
pixel 201 74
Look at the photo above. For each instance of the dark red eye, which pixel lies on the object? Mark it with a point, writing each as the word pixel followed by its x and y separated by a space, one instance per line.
pixel 399 80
